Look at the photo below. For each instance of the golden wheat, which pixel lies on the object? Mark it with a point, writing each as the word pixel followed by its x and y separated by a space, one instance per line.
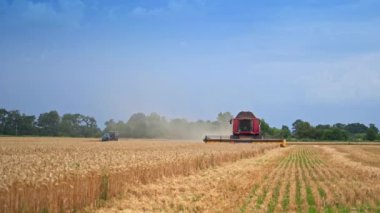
pixel 65 174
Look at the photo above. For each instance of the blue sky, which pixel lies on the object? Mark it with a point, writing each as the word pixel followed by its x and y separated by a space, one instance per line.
pixel 283 60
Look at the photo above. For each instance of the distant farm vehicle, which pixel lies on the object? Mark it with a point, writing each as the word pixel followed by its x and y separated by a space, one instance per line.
pixel 110 136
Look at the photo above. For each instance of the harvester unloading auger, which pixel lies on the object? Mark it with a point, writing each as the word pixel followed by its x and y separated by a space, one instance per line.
pixel 245 129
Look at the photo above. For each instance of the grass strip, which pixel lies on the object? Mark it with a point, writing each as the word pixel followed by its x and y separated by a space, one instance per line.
pixel 261 198
pixel 298 193
pixel 310 199
pixel 273 202
pixel 249 198
pixel 286 199
pixel 321 192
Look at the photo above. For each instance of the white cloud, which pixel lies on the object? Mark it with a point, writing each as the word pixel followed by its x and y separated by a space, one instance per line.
pixel 351 80
pixel 68 13
pixel 176 5
pixel 171 6
pixel 141 11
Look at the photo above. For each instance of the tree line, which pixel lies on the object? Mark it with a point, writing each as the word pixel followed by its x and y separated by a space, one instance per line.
pixel 303 130
pixel 47 124
pixel 153 125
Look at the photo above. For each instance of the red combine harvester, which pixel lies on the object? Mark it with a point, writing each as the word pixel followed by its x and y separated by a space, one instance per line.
pixel 245 129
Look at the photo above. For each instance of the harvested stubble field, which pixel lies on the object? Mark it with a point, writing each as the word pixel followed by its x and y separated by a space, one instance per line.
pixel 294 179
pixel 68 174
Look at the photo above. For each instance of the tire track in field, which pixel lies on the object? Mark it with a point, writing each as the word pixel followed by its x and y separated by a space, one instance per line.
pixel 313 191
pixel 300 183
pixel 313 196
pixel 289 199
pixel 257 188
pixel 330 177
pixel 273 190
pixel 309 198
pixel 307 191
pixel 327 179
pixel 262 193
pixel 261 189
pixel 310 180
pixel 331 191
pixel 293 168
pixel 339 184
pixel 262 184
pixel 319 189
pixel 271 201
pixel 336 186
pixel 355 188
pixel 284 194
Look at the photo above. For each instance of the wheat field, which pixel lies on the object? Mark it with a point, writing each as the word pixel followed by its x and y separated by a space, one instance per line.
pixel 68 174
pixel 85 175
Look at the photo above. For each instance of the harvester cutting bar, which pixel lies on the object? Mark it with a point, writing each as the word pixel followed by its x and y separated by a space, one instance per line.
pixel 228 139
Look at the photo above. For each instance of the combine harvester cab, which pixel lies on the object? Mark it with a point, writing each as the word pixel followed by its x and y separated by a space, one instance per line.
pixel 245 129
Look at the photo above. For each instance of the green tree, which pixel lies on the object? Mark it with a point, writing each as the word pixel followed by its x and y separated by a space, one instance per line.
pixel 3 120
pixel 156 126
pixel 302 129
pixel 12 123
pixel 88 127
pixel 265 128
pixel 120 127
pixel 335 134
pixel 372 132
pixel 70 125
pixel 27 125
pixel 110 126
pixel 323 126
pixel 49 123
pixel 138 125
pixel 356 128
pixel 285 132
pixel 77 125
pixel 340 126
pixel 123 129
